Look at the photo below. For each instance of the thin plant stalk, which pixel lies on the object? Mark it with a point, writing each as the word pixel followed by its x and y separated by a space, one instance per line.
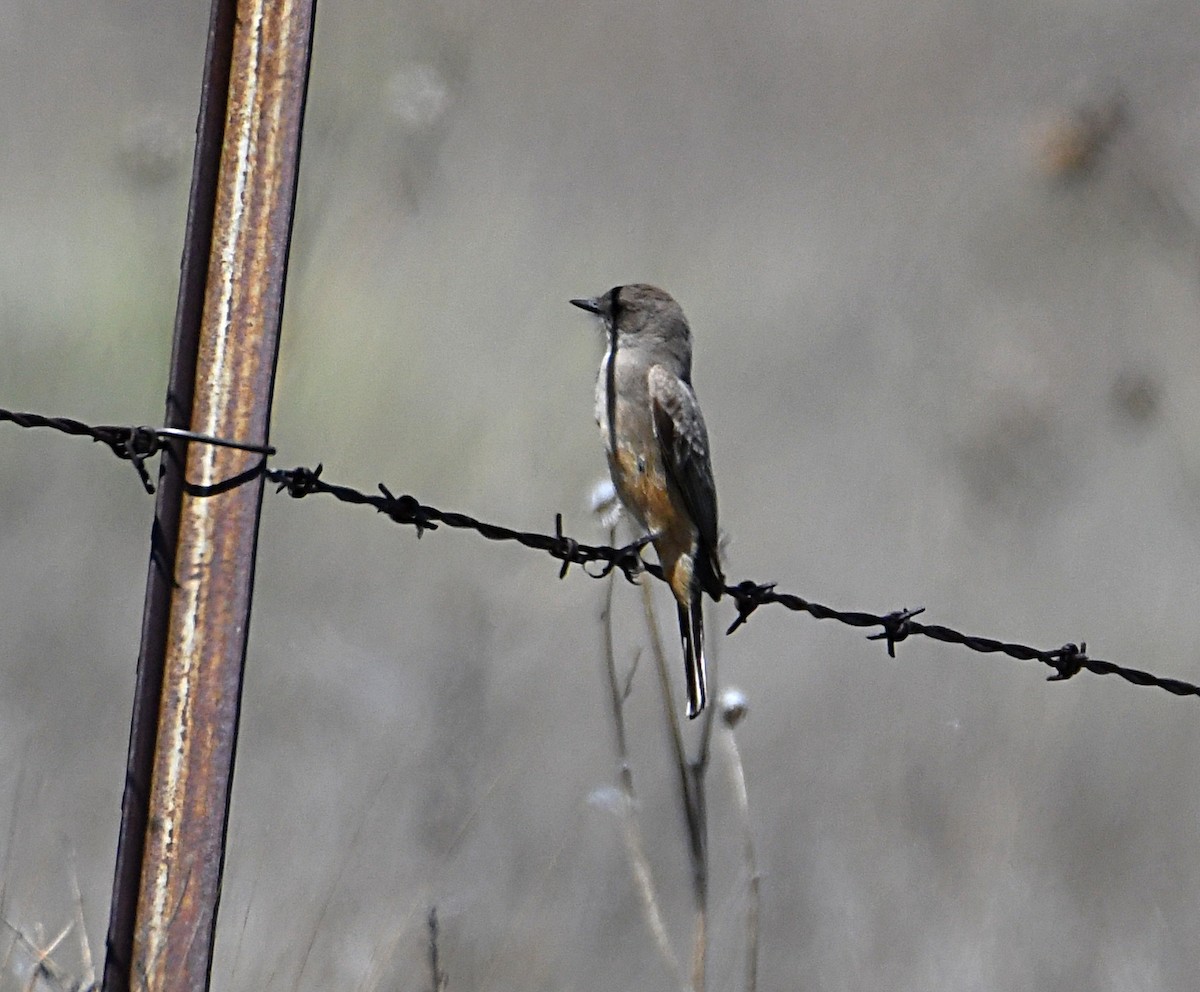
pixel 630 828
pixel 737 777
pixel 692 792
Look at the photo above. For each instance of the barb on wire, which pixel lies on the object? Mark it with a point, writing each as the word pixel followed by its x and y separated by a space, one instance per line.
pixel 136 444
pixel 132 444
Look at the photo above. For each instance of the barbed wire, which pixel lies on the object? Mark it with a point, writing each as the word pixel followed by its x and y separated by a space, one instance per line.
pixel 132 444
pixel 136 444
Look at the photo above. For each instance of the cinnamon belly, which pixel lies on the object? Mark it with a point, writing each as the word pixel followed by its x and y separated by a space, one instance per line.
pixel 652 500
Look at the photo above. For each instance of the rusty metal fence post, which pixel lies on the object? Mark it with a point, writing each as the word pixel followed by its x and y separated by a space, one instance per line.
pixel 183 736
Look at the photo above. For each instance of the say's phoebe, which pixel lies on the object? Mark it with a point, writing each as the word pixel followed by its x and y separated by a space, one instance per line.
pixel 658 451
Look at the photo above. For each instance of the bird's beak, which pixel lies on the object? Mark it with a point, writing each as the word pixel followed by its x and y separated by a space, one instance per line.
pixel 591 306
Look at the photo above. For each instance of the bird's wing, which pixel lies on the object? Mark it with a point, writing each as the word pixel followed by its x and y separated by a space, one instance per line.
pixel 683 441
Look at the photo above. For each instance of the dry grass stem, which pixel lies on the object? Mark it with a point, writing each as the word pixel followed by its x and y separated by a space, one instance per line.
pixel 732 710
pixel 630 828
pixel 692 794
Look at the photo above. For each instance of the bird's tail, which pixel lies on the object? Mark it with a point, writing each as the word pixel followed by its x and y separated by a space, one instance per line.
pixel 691 631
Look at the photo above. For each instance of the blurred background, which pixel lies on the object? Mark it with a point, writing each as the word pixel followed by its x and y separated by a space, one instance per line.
pixel 941 264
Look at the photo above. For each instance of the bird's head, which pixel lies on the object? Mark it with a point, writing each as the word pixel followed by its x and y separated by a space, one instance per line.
pixel 642 316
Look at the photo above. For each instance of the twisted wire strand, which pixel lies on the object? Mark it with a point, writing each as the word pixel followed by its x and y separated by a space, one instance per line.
pixel 137 444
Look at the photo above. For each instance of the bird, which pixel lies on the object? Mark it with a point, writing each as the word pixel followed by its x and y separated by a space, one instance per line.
pixel 658 453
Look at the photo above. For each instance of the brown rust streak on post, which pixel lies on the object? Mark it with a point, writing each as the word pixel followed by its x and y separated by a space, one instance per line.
pixel 143 730
pixel 214 560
